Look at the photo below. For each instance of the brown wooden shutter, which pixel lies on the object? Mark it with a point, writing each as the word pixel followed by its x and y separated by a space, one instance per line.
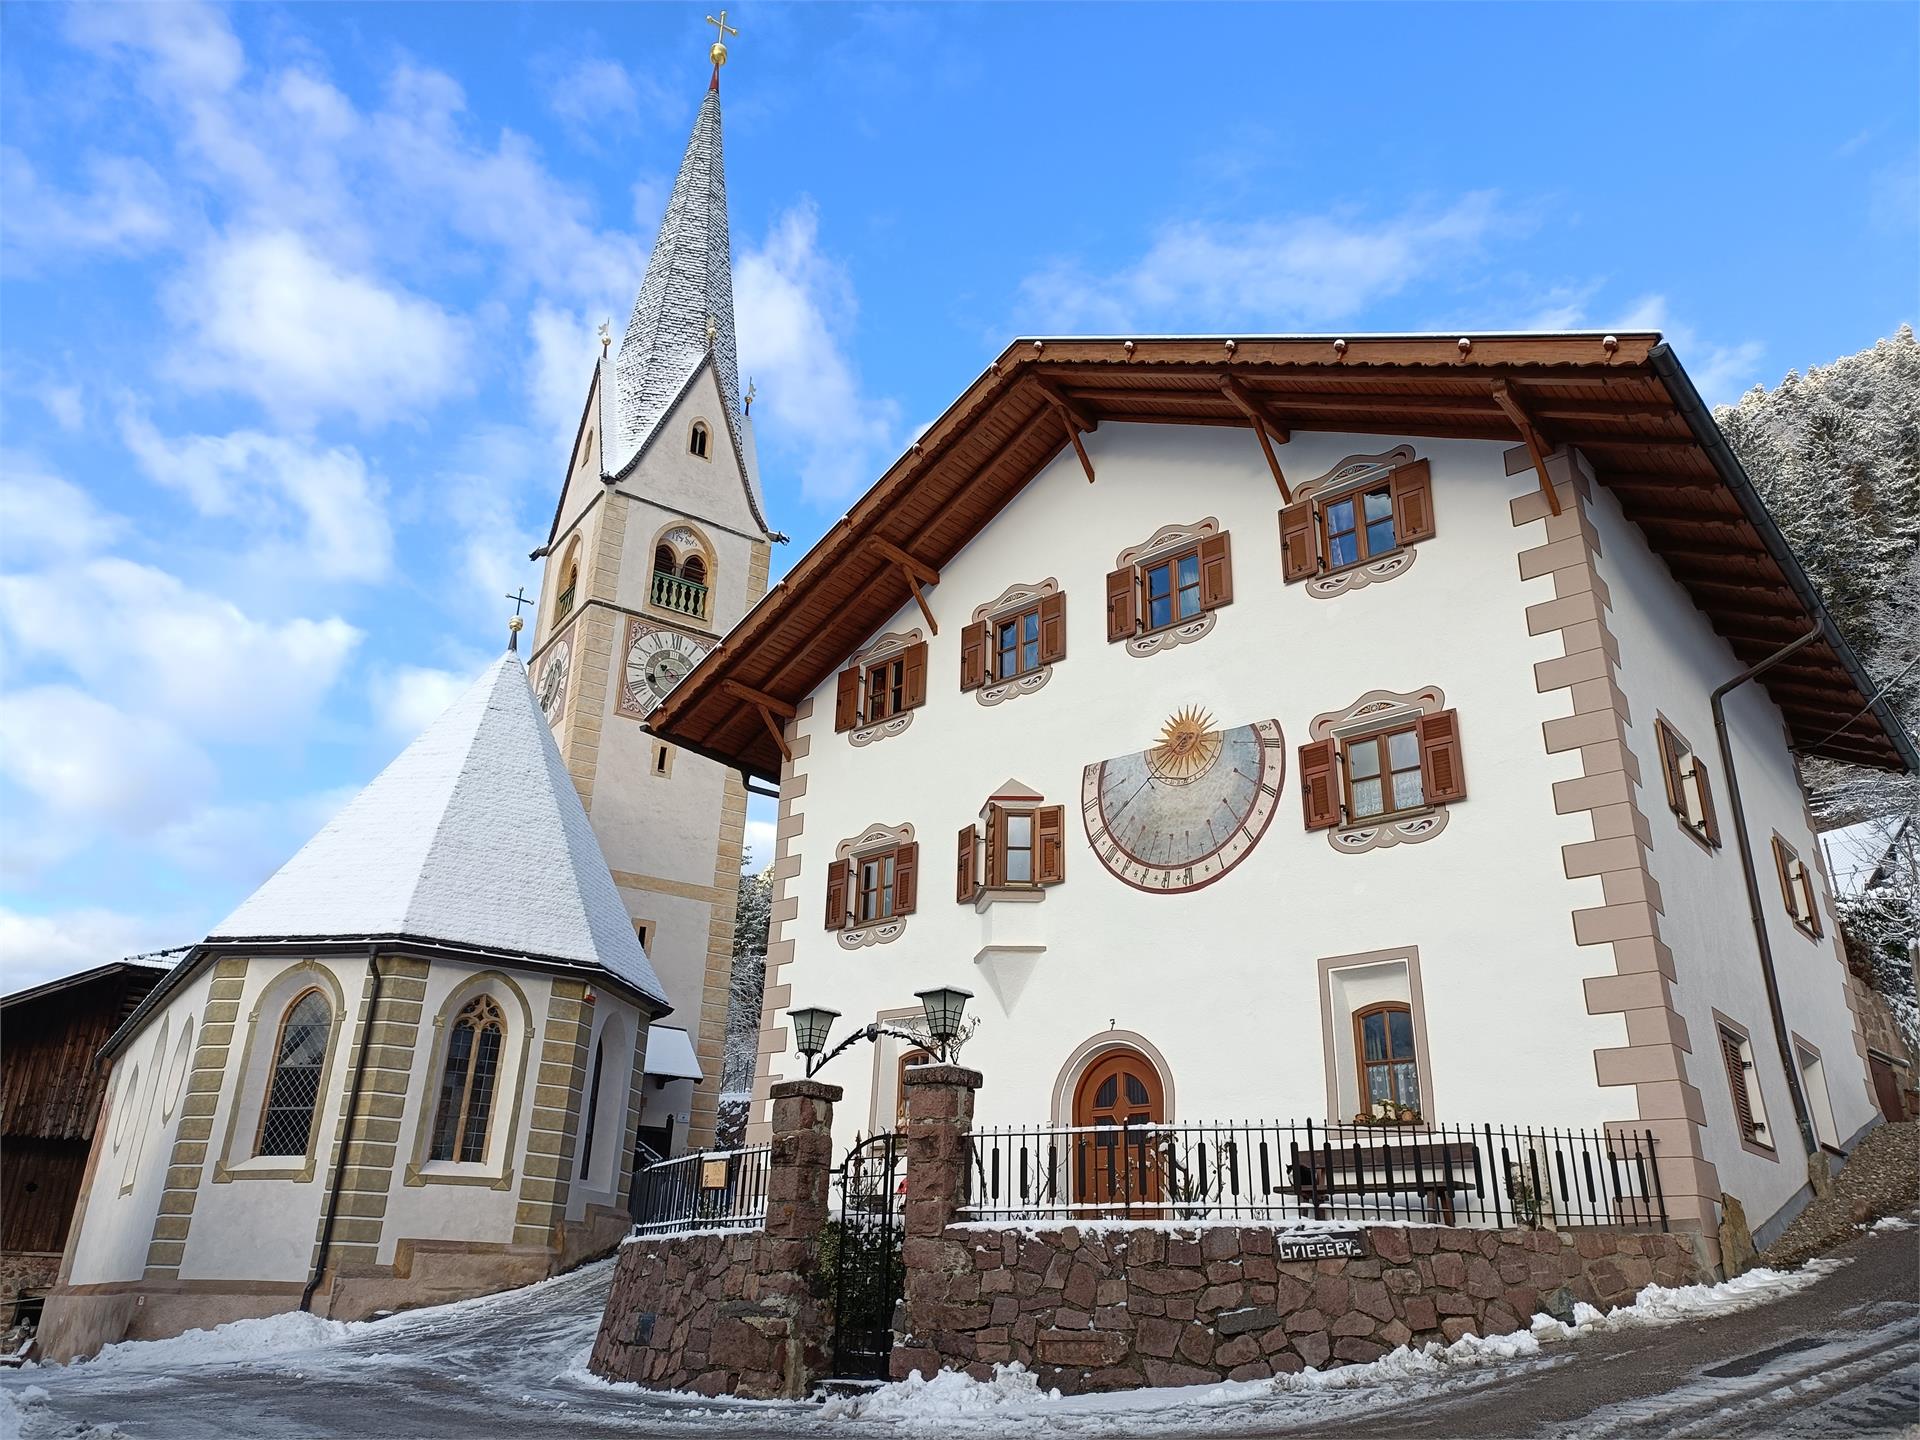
pixel 996 846
pixel 846 700
pixel 1298 557
pixel 1053 628
pixel 1443 776
pixel 1670 767
pixel 1216 572
pixel 1737 1083
pixel 1814 928
pixel 1319 788
pixel 966 878
pixel 913 676
pixel 1123 609
pixel 973 656
pixel 1709 822
pixel 1050 844
pixel 1786 879
pixel 906 864
pixel 837 876
pixel 1412 487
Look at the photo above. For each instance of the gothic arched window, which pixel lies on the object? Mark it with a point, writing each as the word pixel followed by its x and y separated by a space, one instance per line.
pixel 698 438
pixel 293 1090
pixel 463 1118
pixel 694 570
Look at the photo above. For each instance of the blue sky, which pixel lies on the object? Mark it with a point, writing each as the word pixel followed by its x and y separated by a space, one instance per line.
pixel 297 307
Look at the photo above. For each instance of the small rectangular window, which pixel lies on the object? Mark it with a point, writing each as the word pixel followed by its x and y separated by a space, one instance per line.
pixel 876 888
pixel 1383 774
pixel 1016 644
pixel 1689 794
pixel 1359 527
pixel 1813 1085
pixel 886 689
pixel 1019 861
pixel 1796 888
pixel 1172 589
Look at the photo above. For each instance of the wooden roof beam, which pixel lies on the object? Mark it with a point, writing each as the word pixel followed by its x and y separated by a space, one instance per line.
pixel 916 573
pixel 1536 443
pixel 766 706
pixel 1076 421
pixel 1243 402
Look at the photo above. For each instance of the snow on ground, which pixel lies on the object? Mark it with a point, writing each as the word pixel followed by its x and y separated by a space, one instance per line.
pixel 1890 1222
pixel 235 1342
pixel 1014 1394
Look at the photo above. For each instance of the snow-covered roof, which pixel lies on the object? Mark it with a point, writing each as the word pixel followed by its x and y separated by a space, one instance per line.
pixel 688 284
pixel 1857 853
pixel 475 836
pixel 670 1053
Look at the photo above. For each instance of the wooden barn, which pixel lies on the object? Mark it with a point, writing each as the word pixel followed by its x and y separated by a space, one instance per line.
pixel 50 1089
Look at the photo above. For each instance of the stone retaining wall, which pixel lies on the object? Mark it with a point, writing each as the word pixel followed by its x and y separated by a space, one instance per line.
pixel 682 1315
pixel 1112 1307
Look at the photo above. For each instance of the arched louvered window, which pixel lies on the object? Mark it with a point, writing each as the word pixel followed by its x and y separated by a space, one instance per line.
pixel 464 1116
pixel 299 1059
pixel 697 439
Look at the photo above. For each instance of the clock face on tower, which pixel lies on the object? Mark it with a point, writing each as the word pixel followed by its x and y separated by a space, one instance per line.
pixel 657 660
pixel 1183 813
pixel 552 689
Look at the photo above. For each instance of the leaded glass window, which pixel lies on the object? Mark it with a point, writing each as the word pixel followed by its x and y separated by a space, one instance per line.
pixel 299 1057
pixel 463 1117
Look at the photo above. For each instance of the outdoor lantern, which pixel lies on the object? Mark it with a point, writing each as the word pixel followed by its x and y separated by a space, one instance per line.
pixel 944 1007
pixel 811 1026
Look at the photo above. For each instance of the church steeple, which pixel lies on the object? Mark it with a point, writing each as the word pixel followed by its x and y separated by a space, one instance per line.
pixel 685 306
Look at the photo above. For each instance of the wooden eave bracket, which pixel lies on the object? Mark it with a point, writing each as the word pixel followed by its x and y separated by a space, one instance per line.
pixel 768 706
pixel 1536 444
pixel 1076 419
pixel 1268 433
pixel 917 573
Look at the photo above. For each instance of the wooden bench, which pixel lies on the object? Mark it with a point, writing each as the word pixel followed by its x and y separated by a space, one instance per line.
pixel 1431 1170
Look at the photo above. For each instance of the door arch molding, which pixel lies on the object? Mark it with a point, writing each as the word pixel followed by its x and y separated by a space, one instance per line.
pixel 1066 1085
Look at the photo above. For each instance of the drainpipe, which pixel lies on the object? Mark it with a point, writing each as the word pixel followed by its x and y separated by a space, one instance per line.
pixel 346 1131
pixel 1802 1116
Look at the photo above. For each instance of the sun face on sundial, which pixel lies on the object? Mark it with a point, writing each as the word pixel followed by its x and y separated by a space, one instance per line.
pixel 1183 812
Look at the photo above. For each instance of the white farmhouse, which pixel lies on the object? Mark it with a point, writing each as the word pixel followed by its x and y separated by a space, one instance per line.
pixel 407 1069
pixel 1318 727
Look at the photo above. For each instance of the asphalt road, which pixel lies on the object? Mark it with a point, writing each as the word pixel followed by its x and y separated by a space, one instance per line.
pixel 1841 1357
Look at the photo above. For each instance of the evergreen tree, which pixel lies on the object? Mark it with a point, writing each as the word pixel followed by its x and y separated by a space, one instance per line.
pixel 744 991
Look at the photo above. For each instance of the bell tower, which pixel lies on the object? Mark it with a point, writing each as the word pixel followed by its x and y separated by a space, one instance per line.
pixel 659 545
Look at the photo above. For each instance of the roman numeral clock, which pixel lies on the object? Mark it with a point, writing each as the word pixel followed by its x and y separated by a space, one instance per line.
pixel 657 660
pixel 1182 813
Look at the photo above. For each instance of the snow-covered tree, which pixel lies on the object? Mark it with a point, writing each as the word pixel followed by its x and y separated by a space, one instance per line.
pixel 1836 455
pixel 744 990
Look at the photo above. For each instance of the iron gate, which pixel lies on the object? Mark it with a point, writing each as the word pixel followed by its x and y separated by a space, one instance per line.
pixel 868 1278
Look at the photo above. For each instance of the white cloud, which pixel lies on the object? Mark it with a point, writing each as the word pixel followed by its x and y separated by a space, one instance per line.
pixel 163 650
pixel 64 403
pixel 408 698
pixel 37 948
pixel 795 307
pixel 244 844
pixel 594 94
pixel 123 210
pixel 184 47
pixel 338 511
pixel 560 369
pixel 86 760
pixel 760 838
pixel 1304 271
pixel 42 515
pixel 1719 372
pixel 267 315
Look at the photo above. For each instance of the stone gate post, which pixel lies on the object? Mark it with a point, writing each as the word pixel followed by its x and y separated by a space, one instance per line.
pixel 799 1177
pixel 939 1153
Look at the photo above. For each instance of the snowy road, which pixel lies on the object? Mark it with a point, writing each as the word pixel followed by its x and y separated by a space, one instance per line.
pixel 1839 1356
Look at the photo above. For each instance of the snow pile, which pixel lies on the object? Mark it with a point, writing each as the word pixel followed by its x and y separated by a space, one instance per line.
pixel 950 1395
pixel 1891 1222
pixel 14 1405
pixel 235 1342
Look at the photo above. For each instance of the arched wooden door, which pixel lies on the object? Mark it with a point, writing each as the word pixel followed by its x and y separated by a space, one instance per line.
pixel 1119 1105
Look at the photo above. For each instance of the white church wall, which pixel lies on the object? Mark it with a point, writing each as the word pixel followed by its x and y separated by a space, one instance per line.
pixel 711 488
pixel 147 1089
pixel 1222 980
pixel 1670 661
pixel 445 1199
pixel 255 1217
pixel 597 1169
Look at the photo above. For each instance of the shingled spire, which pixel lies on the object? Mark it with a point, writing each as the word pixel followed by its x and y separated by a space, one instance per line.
pixel 686 301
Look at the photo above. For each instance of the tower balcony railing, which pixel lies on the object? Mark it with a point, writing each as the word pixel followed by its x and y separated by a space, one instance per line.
pixel 563 605
pixel 683 597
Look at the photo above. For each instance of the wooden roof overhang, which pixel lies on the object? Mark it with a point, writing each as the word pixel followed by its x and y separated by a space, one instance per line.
pixel 1622 400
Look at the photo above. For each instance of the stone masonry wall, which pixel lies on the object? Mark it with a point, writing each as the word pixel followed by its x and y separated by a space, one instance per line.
pixel 678 1317
pixel 1112 1307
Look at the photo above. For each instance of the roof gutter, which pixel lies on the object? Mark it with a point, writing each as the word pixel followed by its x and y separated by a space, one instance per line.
pixel 1706 431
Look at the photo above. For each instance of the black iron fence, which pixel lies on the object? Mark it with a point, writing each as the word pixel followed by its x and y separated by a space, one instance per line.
pixel 1483 1175
pixel 709 1189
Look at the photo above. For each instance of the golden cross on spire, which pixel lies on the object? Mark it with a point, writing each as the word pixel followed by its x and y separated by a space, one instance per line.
pixel 718 54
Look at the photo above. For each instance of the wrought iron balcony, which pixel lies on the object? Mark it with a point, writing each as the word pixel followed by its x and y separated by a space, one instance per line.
pixel 683 597
pixel 563 605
